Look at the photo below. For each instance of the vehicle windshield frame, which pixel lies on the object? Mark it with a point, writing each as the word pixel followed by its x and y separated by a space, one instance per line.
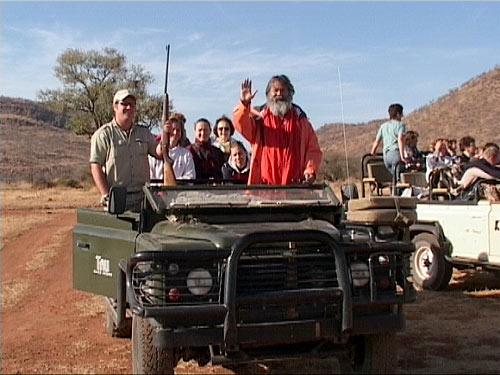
pixel 193 197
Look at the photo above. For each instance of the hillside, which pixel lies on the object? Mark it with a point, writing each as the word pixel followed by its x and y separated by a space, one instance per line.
pixel 471 109
pixel 35 144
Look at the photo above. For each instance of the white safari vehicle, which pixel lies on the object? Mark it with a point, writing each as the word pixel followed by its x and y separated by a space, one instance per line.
pixel 468 236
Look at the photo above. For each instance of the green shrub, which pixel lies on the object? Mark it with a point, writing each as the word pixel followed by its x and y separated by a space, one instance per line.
pixel 42 181
pixel 69 182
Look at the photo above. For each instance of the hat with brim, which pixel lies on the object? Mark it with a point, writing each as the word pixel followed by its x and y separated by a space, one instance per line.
pixel 121 95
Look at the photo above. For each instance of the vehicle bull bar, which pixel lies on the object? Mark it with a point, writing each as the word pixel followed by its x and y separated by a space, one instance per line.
pixel 225 313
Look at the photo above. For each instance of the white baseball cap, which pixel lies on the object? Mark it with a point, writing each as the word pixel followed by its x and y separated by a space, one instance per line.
pixel 121 95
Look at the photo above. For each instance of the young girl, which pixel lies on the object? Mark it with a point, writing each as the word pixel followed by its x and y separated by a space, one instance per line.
pixel 237 167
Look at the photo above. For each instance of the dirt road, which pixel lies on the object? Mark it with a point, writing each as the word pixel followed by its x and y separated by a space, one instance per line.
pixel 50 328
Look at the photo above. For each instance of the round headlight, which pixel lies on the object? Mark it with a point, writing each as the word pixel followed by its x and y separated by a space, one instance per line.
pixel 199 281
pixel 360 274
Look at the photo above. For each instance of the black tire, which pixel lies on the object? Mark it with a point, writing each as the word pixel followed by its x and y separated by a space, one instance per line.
pixel 147 358
pixel 373 354
pixel 430 270
pixel 112 329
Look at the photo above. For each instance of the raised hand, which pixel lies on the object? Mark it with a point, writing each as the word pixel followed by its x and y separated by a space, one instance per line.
pixel 246 94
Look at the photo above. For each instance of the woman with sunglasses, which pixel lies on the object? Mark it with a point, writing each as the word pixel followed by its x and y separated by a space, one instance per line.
pixel 223 131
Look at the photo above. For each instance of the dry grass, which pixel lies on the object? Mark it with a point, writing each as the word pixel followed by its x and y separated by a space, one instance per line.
pixel 22 196
pixel 23 206
pixel 91 306
pixel 13 292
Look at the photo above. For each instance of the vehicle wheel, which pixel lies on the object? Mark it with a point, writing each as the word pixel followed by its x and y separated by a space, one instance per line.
pixel 147 358
pixel 430 270
pixel 375 354
pixel 112 329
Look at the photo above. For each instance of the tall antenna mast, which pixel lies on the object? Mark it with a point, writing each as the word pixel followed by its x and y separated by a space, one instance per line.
pixel 343 127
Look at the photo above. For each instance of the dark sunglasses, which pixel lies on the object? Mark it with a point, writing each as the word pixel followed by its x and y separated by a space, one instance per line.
pixel 127 104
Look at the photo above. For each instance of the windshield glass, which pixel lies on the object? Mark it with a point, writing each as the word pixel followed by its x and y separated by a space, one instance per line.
pixel 248 196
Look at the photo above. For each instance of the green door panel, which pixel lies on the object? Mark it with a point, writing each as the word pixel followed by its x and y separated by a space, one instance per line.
pixel 100 240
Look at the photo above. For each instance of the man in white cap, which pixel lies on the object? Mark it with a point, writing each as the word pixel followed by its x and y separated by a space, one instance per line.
pixel 119 152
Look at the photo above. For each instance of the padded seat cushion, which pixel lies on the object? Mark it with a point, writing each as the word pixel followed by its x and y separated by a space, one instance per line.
pixel 372 202
pixel 382 216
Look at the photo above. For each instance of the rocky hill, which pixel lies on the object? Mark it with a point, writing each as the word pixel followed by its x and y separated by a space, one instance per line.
pixel 35 146
pixel 472 109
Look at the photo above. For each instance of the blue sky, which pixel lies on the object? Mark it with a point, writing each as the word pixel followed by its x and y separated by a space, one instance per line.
pixel 407 52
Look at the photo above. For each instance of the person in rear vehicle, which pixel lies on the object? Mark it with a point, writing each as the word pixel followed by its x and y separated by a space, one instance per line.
pixel 285 149
pixel 182 160
pixel 468 149
pixel 484 167
pixel 119 152
pixel 415 160
pixel 237 167
pixel 208 159
pixel 392 134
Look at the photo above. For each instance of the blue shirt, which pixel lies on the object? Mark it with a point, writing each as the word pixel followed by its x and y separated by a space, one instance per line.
pixel 389 132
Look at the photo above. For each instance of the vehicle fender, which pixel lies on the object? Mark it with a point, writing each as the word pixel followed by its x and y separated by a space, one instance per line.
pixel 434 228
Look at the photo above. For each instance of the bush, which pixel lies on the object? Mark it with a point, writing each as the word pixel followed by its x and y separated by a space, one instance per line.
pixel 69 182
pixel 42 181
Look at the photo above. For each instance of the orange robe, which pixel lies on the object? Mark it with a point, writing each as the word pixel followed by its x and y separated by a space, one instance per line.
pixel 283 149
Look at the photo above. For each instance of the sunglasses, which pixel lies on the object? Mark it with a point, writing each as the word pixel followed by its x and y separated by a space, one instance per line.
pixel 224 128
pixel 127 104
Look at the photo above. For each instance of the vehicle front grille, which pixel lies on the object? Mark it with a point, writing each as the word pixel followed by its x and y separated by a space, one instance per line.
pixel 285 266
pixel 269 271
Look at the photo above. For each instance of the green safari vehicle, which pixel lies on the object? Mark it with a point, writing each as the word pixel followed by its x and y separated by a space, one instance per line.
pixel 233 274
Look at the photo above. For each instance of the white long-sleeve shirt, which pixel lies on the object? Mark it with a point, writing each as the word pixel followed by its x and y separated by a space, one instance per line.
pixel 183 165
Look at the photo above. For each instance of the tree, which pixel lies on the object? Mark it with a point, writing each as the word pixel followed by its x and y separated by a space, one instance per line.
pixel 90 79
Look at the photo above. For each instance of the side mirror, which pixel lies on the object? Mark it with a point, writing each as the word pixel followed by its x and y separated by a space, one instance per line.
pixel 117 200
pixel 349 191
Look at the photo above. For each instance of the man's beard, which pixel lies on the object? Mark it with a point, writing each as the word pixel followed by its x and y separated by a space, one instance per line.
pixel 279 106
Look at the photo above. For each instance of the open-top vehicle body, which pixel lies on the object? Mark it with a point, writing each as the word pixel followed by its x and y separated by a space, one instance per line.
pixel 233 274
pixel 470 225
pixel 451 230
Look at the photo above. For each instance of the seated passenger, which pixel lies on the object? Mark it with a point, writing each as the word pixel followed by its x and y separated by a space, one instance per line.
pixel 467 147
pixel 208 159
pixel 237 167
pixel 415 158
pixel 451 147
pixel 486 167
pixel 481 150
pixel 438 158
pixel 182 160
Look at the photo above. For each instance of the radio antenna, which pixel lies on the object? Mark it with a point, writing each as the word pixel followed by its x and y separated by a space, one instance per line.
pixel 343 127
